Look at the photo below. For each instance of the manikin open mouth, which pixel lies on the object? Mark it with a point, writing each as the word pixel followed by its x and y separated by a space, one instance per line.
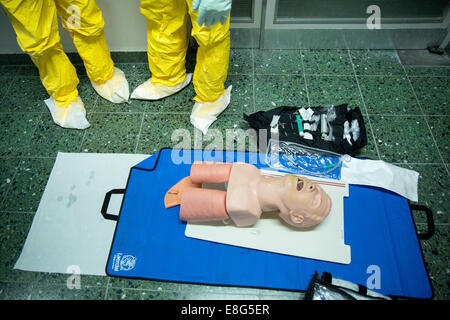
pixel 299 184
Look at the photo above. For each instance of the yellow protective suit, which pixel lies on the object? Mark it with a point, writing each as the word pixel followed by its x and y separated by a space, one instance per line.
pixel 167 45
pixel 36 25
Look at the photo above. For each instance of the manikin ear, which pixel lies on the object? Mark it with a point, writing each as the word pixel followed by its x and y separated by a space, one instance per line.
pixel 296 217
pixel 316 200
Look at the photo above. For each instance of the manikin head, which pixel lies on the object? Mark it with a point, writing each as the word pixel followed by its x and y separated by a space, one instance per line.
pixel 306 204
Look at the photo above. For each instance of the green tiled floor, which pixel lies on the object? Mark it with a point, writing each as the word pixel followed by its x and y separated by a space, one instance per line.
pixel 406 110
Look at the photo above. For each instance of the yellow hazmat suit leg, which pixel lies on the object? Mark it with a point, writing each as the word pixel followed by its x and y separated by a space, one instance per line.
pixel 213 56
pixel 36 26
pixel 166 40
pixel 84 21
pixel 166 48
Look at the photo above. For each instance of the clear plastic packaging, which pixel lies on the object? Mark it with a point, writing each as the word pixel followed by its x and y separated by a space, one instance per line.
pixel 298 159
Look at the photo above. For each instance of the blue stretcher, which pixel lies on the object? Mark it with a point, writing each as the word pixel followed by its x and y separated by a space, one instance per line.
pixel 149 240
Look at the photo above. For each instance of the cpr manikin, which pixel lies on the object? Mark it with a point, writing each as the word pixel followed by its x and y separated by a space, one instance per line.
pixel 299 201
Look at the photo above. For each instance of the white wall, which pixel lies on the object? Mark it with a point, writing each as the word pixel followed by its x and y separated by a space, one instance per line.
pixel 125 28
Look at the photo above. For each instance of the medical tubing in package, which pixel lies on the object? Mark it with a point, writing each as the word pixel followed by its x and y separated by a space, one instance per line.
pixel 298 159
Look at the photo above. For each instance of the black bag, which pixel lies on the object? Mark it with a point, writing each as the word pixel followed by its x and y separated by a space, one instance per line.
pixel 326 287
pixel 288 128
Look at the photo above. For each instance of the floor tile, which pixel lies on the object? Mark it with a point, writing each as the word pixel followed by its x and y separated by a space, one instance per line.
pixel 15 291
pixel 61 292
pixel 376 62
pixel 14 70
pixel 427 71
pixel 28 184
pixel 440 128
pixel 241 61
pixel 218 296
pixel 436 255
pixel 112 133
pixel 327 62
pixel 87 94
pixel 267 294
pixel 48 139
pixel 136 294
pixel 5 82
pixel 8 169
pixel 161 130
pixel 181 101
pixel 230 132
pixel 16 130
pixel 434 191
pixel 26 94
pixel 57 279
pixel 133 105
pixel 370 150
pixel 273 91
pixel 334 91
pixel 133 69
pixel 143 284
pixel 278 62
pixel 433 94
pixel 29 70
pixel 241 94
pixel 14 229
pixel 388 95
pixel 404 139
pixel 241 97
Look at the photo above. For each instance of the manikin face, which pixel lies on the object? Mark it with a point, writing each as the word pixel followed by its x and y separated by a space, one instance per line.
pixel 306 202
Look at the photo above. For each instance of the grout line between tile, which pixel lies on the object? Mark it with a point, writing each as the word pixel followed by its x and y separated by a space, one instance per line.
pixel 7 89
pixel 253 78
pixel 27 157
pixel 304 78
pixel 419 163
pixel 18 212
pixel 347 75
pixel 139 134
pixel 82 141
pixel 365 107
pixel 106 290
pixel 5 196
pixel 138 112
pixel 407 115
pixel 426 121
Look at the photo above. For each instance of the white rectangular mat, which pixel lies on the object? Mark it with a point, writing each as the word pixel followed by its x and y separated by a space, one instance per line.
pixel 68 228
pixel 324 242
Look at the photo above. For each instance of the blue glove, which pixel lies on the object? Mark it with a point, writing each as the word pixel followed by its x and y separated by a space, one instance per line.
pixel 211 11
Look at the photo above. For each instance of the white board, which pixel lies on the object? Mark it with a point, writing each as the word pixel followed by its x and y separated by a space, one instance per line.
pixel 324 242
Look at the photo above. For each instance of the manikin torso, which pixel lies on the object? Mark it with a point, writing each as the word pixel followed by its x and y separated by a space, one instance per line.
pixel 298 201
pixel 242 201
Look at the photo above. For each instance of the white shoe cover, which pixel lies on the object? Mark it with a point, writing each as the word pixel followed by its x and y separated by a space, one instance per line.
pixel 115 89
pixel 72 117
pixel 150 91
pixel 204 114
